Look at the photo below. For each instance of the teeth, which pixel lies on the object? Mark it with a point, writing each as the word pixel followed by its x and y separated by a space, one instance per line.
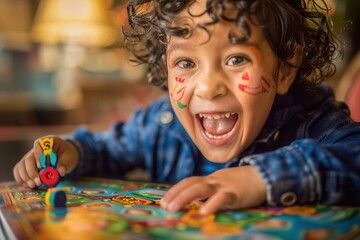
pixel 216 116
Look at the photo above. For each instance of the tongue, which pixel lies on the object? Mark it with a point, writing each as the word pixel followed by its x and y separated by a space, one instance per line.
pixel 219 126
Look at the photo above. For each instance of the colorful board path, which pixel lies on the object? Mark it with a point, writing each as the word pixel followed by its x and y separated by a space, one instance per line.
pixel 113 209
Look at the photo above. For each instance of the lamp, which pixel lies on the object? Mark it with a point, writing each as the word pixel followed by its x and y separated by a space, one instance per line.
pixel 83 22
pixel 74 25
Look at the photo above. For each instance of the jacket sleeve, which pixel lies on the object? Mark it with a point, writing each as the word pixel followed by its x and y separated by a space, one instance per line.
pixel 118 150
pixel 322 167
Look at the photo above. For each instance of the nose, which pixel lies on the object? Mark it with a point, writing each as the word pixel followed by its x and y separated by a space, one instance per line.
pixel 210 85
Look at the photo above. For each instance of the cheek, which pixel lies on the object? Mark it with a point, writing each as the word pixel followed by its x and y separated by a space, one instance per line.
pixel 255 111
pixel 256 92
pixel 177 91
pixel 255 82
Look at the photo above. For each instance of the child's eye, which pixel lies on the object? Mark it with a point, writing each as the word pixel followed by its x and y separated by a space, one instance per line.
pixel 237 60
pixel 185 63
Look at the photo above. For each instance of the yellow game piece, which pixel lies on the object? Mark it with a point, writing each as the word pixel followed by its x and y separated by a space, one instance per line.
pixel 47 145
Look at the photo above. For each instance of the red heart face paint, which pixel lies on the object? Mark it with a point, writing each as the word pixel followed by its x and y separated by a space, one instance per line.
pixel 177 93
pixel 245 76
pixel 253 86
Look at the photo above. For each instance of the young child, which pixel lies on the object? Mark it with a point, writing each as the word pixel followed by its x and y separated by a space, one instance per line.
pixel 246 121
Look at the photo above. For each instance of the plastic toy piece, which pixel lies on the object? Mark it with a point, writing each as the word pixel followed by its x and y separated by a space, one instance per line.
pixel 52 157
pixel 49 176
pixel 47 145
pixel 48 173
pixel 55 198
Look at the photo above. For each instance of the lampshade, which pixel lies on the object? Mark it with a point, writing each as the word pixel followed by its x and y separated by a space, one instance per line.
pixel 85 22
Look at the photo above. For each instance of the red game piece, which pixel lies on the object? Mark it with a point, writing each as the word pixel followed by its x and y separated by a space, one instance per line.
pixel 49 176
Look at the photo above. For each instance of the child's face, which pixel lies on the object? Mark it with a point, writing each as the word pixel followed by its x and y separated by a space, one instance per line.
pixel 221 92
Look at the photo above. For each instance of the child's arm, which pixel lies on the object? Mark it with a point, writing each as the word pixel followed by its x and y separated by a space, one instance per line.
pixel 308 171
pixel 230 188
pixel 325 170
pixel 26 170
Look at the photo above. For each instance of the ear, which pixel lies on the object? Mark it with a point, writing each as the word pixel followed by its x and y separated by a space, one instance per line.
pixel 287 73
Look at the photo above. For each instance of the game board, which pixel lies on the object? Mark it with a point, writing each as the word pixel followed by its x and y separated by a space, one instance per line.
pixel 113 209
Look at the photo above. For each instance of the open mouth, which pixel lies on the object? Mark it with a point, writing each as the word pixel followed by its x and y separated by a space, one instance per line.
pixel 218 126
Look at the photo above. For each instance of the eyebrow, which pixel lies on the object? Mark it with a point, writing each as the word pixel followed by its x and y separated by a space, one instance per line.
pixel 253 46
pixel 177 46
pixel 256 51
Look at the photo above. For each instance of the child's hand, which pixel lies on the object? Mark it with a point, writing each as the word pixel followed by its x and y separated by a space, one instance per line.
pixel 231 188
pixel 25 171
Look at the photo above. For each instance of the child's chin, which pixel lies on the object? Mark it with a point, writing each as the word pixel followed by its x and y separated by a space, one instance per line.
pixel 219 156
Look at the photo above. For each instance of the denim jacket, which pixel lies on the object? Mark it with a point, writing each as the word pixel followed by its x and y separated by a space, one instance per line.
pixel 307 152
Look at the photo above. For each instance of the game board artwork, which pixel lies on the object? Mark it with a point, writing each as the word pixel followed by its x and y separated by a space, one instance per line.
pixel 113 209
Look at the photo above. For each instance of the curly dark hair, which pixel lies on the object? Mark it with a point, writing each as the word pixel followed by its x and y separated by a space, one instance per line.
pixel 286 24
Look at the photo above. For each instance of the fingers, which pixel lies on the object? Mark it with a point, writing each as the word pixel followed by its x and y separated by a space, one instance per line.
pixel 238 187
pixel 69 157
pixel 32 172
pixel 66 154
pixel 17 174
pixel 62 170
pixel 37 151
pixel 220 200
pixel 191 189
pixel 25 171
pixel 187 190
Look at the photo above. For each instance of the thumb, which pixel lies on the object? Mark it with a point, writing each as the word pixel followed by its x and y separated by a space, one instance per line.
pixel 68 159
pixel 61 169
pixel 66 165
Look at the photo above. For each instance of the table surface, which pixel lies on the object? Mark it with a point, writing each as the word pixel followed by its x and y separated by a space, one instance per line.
pixel 103 208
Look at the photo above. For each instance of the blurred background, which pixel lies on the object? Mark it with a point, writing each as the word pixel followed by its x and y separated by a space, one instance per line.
pixel 62 63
